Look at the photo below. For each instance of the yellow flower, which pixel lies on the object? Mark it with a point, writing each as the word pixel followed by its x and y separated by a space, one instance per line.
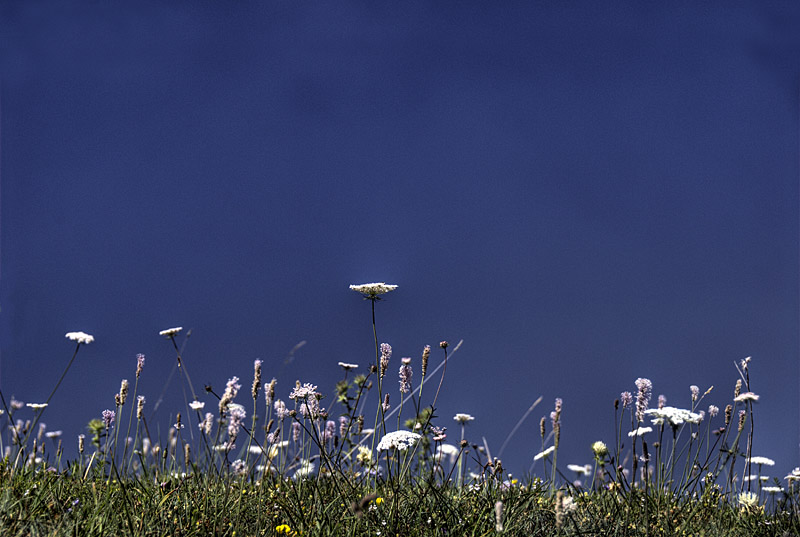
pixel 378 501
pixel 284 528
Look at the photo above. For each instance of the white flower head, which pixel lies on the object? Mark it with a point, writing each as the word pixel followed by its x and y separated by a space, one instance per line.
pixel 794 475
pixel 544 453
pixel 580 469
pixel 672 416
pixel 372 290
pixel 463 418
pixel 197 405
pixel 599 449
pixel 772 490
pixel 53 434
pixel 347 367
pixel 748 499
pixel 36 406
pixel 447 450
pixel 400 440
pixel 170 332
pixel 640 431
pixel 80 337
pixel 746 396
pixel 762 460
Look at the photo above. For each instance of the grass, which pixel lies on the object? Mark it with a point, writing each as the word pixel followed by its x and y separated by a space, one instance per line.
pixel 295 468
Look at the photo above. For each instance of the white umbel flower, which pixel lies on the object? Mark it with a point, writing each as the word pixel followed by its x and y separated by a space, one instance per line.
pixel 746 396
pixel 400 440
pixel 347 367
pixel 80 337
pixel 372 290
pixel 463 418
pixel 762 460
pixel 673 416
pixel 640 431
pixel 169 332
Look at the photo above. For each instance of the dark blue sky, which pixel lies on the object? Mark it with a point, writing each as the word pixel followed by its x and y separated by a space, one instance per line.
pixel 583 194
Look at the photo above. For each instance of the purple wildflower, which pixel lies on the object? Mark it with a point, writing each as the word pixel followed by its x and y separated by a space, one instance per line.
pixel 644 391
pixel 626 399
pixel 108 417
pixel 386 354
pixel 405 378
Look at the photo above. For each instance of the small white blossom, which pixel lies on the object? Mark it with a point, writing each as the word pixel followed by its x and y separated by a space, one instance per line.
pixel 36 406
pixel 762 460
pixel 640 431
pixel 579 469
pixel 794 475
pixel 463 418
pixel 80 337
pixel 746 396
pixel 197 405
pixel 53 434
pixel 347 367
pixel 544 453
pixel 400 440
pixel 169 332
pixel 673 416
pixel 772 490
pixel 748 499
pixel 372 290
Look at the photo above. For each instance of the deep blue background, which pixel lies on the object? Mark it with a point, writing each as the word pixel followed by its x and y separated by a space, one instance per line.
pixel 583 194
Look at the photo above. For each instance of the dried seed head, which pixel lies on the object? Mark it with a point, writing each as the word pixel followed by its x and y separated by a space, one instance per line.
pixel 728 413
pixel 269 391
pixel 139 364
pixel 742 416
pixel 187 453
pixel 123 392
pixel 543 426
pixel 256 379
pixel 81 446
pixel 738 389
pixel 139 407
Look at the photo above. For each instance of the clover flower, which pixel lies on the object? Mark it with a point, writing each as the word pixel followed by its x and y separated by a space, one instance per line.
pixel 599 449
pixel 108 417
pixel 170 332
pixel 713 410
pixel 463 418
pixel 400 440
pixel 695 390
pixel 80 337
pixel 372 290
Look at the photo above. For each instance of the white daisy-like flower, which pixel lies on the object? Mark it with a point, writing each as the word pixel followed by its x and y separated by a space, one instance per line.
pixel 372 290
pixel 36 406
pixel 544 453
pixel 347 367
pixel 400 440
pixel 762 460
pixel 640 431
pixel 463 418
pixel 580 469
pixel 673 416
pixel 80 337
pixel 170 332
pixel 746 396
pixel 197 405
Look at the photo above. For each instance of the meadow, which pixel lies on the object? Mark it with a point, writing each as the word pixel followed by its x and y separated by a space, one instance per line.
pixel 373 457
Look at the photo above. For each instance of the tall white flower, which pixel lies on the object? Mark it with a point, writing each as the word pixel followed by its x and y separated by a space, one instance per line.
pixel 400 440
pixel 463 418
pixel 169 332
pixel 672 416
pixel 372 290
pixel 80 337
pixel 762 460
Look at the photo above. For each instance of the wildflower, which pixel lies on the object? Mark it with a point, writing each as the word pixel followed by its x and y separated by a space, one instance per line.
pixel 283 528
pixel 438 433
pixel 644 390
pixel 762 460
pixel 123 392
pixel 600 449
pixel 140 407
pixel 36 406
pixel 281 412
pixel 303 391
pixel 544 453
pixel 256 378
pixel 231 390
pixel 108 417
pixel 364 456
pixel 498 516
pixel 16 405
pixel 372 290
pixel 386 354
pixel 742 416
pixel 207 423
pixel 405 378
pixel 197 405
pixel 386 406
pixel 713 410
pixel 53 434
pixel 400 440
pixel 378 501
pixel 772 490
pixel 747 396
pixel 463 418
pixel 744 363
pixel 795 474
pixel 448 450
pixel 269 391
pixel 170 332
pixel 426 354
pixel 673 416
pixel 348 367
pixel 639 431
pixel 695 392
pixel 306 469
pixel 662 401
pixel 748 500
pixel 296 430
pixel 344 425
pixel 139 364
pixel 80 337
pixel 580 470
pixel 236 415
pixel 81 440
pixel 626 399
pixel 238 467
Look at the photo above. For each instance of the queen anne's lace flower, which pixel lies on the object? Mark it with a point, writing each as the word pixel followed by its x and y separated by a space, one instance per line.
pixel 747 396
pixel 80 337
pixel 36 406
pixel 640 431
pixel 400 440
pixel 169 332
pixel 463 418
pixel 372 290
pixel 762 460
pixel 672 416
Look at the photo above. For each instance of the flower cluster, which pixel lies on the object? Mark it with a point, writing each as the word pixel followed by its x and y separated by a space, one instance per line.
pixel 400 440
pixel 372 290
pixel 80 337
pixel 672 416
